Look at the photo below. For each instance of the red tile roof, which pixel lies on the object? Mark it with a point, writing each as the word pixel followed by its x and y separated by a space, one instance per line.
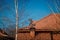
pixel 51 22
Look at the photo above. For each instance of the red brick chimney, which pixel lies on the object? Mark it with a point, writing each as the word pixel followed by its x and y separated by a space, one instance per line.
pixel 32 32
pixel 32 28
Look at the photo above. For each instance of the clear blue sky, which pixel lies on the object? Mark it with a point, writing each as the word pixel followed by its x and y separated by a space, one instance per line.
pixel 35 9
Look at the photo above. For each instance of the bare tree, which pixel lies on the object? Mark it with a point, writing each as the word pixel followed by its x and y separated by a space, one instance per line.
pixel 10 30
pixel 8 23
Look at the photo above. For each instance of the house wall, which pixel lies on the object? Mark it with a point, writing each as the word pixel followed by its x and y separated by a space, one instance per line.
pixel 56 36
pixel 39 36
pixel 24 36
pixel 43 36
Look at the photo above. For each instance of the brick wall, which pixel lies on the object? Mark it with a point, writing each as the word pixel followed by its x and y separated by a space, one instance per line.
pixel 39 36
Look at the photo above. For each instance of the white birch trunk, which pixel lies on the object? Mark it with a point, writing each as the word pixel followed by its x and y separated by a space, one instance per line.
pixel 16 9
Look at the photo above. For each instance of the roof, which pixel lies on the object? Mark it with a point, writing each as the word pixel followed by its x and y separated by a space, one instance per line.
pixel 2 33
pixel 50 22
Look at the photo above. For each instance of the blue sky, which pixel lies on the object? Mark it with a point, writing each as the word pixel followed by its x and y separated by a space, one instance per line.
pixel 35 9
